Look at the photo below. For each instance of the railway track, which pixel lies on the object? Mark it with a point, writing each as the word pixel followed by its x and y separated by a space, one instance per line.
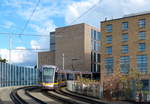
pixel 16 98
pixel 19 100
pixel 61 98
pixel 79 97
pixel 68 98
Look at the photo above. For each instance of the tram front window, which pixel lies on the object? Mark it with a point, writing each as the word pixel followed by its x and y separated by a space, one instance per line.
pixel 48 75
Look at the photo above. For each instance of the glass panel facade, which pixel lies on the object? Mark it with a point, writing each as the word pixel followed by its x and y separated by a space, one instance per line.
pixel 142 63
pixel 125 37
pixel 12 75
pixel 95 46
pixel 92 34
pixel 109 28
pixel 109 62
pixel 142 35
pixel 98 36
pixel 95 59
pixel 109 50
pixel 125 26
pixel 124 49
pixel 141 47
pixel 95 35
pixel 145 85
pixel 142 23
pixel 52 41
pixel 125 64
pixel 109 39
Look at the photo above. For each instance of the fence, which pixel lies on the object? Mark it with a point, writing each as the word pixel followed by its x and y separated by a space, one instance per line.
pixel 93 90
pixel 12 75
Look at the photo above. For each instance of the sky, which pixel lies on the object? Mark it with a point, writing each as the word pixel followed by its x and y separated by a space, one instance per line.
pixel 51 14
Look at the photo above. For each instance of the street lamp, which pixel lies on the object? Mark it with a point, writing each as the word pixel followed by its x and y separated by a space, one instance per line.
pixel 75 59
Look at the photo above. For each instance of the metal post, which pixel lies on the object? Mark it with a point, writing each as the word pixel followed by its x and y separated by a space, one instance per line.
pixel 10 47
pixel 37 64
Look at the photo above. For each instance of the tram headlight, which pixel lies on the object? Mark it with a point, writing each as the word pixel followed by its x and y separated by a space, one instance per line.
pixel 51 85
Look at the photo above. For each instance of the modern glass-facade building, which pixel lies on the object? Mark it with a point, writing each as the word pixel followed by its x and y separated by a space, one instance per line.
pixel 76 47
pixel 95 52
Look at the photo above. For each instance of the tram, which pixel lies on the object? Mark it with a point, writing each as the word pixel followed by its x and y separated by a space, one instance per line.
pixel 50 77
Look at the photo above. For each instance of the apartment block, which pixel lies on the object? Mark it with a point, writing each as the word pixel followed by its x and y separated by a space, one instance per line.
pixel 75 47
pixel 126 46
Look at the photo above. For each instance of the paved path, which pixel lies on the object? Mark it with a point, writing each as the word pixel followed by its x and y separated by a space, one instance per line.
pixel 4 95
pixel 119 102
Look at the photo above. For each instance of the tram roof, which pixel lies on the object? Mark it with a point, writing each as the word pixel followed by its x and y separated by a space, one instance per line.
pixel 52 66
pixel 78 72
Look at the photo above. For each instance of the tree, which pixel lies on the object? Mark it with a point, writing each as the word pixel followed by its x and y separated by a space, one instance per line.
pixel 120 84
pixel 3 60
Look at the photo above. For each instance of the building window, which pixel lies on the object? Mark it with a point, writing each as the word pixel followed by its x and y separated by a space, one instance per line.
pixel 98 36
pixel 97 46
pixel 145 85
pixel 141 46
pixel 52 41
pixel 92 34
pixel 142 63
pixel 109 65
pixel 52 46
pixel 109 50
pixel 98 68
pixel 124 49
pixel 109 39
pixel 125 37
pixel 95 34
pixel 142 23
pixel 97 58
pixel 125 26
pixel 109 28
pixel 125 64
pixel 142 35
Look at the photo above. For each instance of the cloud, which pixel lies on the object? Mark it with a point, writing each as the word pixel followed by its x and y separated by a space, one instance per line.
pixel 44 31
pixel 34 44
pixel 8 24
pixel 104 9
pixel 40 23
pixel 43 22
pixel 19 56
pixel 75 9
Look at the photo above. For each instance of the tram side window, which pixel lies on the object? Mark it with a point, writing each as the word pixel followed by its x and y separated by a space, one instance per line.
pixel 63 77
pixel 86 76
pixel 56 77
pixel 70 76
pixel 40 76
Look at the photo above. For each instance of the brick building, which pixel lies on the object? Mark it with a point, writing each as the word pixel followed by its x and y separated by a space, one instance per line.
pixel 126 46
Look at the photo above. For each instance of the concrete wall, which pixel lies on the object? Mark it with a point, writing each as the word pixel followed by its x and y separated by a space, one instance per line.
pixel 46 58
pixel 75 42
pixel 70 41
